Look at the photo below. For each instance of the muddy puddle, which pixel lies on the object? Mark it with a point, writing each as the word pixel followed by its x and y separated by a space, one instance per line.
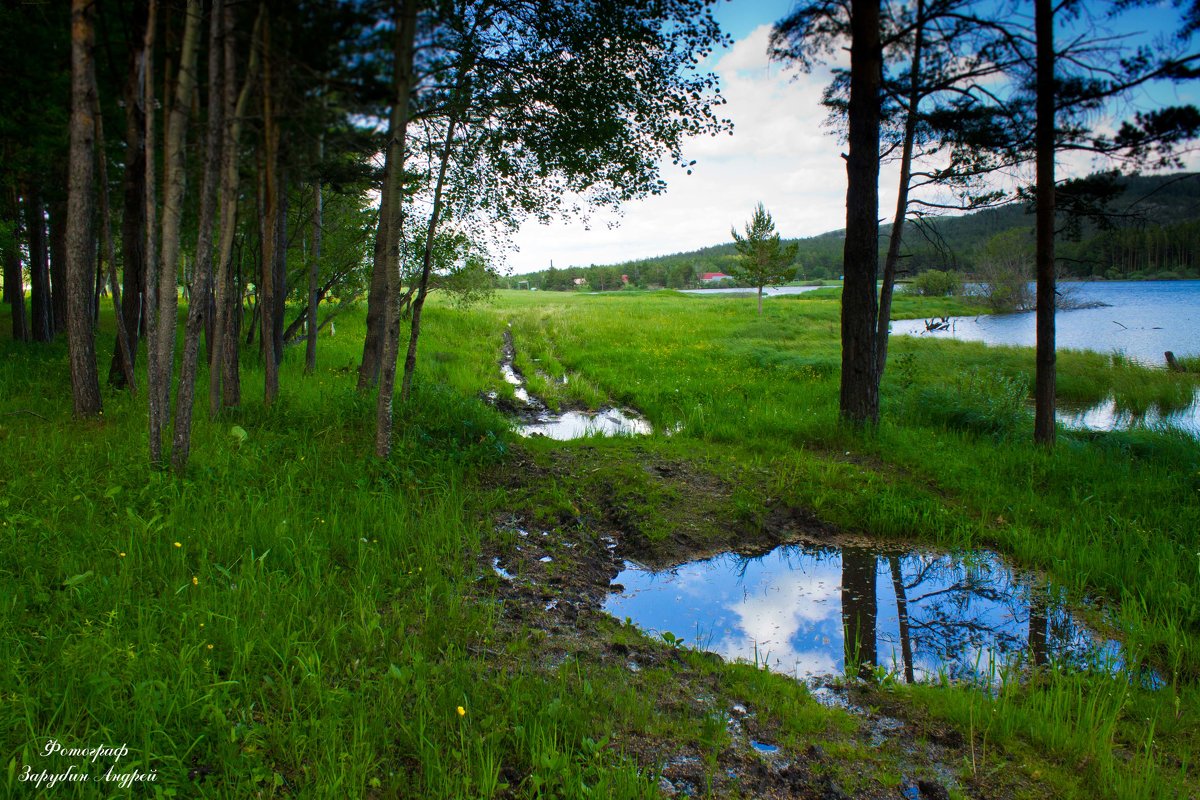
pixel 918 616
pixel 536 418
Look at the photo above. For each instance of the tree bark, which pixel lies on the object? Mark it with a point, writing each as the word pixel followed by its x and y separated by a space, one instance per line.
pixel 150 290
pixel 1044 135
pixel 202 280
pixel 279 274
pixel 81 246
pixel 266 288
pixel 123 355
pixel 223 380
pixel 14 281
pixel 58 264
pixel 133 219
pixel 406 24
pixel 897 235
pixel 175 182
pixel 859 397
pixel 368 370
pixel 314 269
pixel 41 309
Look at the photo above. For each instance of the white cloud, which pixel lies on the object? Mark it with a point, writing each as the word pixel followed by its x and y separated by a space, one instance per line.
pixel 792 621
pixel 781 154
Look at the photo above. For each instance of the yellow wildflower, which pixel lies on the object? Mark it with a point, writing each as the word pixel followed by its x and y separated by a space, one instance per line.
pixel 178 544
pixel 462 712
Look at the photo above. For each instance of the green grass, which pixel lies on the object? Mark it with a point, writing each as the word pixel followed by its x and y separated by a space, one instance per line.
pixel 323 616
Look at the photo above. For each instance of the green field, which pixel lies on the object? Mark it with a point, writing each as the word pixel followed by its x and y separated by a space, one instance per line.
pixel 295 618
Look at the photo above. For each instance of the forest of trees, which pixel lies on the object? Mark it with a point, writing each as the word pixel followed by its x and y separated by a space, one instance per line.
pixel 267 164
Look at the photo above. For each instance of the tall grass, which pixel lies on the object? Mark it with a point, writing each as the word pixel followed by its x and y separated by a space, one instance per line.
pixel 294 617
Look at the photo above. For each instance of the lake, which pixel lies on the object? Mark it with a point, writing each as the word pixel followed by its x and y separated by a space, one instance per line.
pixel 1142 319
pixel 769 291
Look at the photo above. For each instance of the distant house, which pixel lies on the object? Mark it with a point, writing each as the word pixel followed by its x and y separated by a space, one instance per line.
pixel 713 277
pixel 580 281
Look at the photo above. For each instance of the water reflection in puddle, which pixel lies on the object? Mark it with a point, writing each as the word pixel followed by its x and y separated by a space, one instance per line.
pixel 567 424
pixel 918 615
pixel 577 424
pixel 511 377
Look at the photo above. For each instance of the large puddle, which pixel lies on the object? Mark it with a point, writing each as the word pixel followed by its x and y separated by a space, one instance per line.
pixel 807 611
pixel 541 421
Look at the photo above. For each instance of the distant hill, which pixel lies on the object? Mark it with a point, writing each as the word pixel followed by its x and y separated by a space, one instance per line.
pixel 1151 228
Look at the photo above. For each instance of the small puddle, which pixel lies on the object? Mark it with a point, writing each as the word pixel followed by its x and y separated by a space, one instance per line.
pixel 567 424
pixel 920 616
pixel 577 424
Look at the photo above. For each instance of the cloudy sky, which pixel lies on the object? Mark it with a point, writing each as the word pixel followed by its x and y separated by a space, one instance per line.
pixel 780 154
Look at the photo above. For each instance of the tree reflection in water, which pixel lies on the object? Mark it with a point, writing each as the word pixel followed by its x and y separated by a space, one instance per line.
pixel 962 617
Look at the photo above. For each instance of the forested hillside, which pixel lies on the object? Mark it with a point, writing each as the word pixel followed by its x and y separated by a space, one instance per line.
pixel 1151 228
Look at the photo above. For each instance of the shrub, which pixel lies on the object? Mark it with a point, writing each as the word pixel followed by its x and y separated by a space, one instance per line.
pixel 936 283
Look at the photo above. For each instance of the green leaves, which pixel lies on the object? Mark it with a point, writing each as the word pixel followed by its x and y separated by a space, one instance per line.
pixel 762 258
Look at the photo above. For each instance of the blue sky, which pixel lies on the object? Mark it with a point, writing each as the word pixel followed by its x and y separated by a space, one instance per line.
pixel 781 154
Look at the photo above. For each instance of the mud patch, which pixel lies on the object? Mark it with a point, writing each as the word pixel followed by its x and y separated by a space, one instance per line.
pixel 579 514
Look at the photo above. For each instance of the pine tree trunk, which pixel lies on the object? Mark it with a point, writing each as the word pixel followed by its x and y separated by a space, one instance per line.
pixel 897 235
pixel 224 383
pixel 58 264
pixel 406 24
pixel 81 244
pixel 133 220
pixel 202 280
pixel 175 183
pixel 14 281
pixel 41 313
pixel 760 301
pixel 859 397
pixel 279 274
pixel 266 288
pixel 1043 423
pixel 150 290
pixel 314 269
pixel 123 355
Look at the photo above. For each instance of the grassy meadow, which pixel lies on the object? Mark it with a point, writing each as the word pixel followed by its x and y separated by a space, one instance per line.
pixel 294 618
